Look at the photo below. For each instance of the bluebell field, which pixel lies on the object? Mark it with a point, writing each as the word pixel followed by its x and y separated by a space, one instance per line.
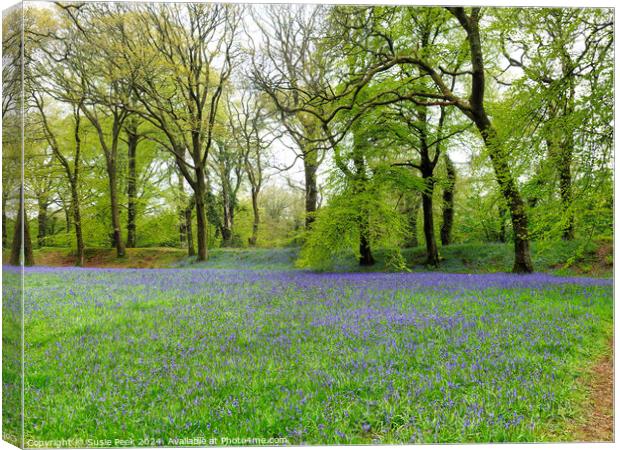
pixel 309 358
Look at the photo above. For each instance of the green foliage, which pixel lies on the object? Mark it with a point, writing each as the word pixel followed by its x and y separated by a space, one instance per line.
pixel 336 229
pixel 395 262
pixel 535 105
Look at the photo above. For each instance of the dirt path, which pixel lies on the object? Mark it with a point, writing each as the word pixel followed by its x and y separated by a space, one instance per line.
pixel 599 424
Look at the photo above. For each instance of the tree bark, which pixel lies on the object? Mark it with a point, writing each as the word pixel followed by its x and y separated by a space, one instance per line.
pixel 252 239
pixel 181 211
pixel 432 254
pixel 4 233
pixel 201 214
pixel 366 258
pixel 502 222
pixel 228 215
pixel 188 229
pixel 5 197
pixel 564 161
pixel 77 223
pixel 311 191
pixel 427 167
pixel 67 211
pixel 560 150
pixel 568 232
pixel 117 239
pixel 132 146
pixel 448 202
pixel 516 206
pixel 16 243
pixel 182 227
pixel 566 150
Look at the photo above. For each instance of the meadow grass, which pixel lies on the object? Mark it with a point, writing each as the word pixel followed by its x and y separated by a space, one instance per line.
pixel 314 358
pixel 11 355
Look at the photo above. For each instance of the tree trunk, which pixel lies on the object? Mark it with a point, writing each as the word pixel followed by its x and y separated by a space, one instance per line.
pixel 516 206
pixel 115 212
pixel 427 166
pixel 310 168
pixel 4 220
pixel 181 212
pixel 227 217
pixel 566 152
pixel 132 146
pixel 16 247
pixel 42 221
pixel 563 158
pixel 188 230
pixel 182 227
pixel 226 235
pixel 77 223
pixel 560 152
pixel 252 239
pixel 4 233
pixel 16 243
pixel 360 180
pixel 432 254
pixel 201 215
pixel 448 202
pixel 28 257
pixel 366 258
pixel 67 211
pixel 497 152
pixel 568 233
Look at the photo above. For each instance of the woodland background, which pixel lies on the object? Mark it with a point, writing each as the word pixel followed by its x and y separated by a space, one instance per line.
pixel 337 131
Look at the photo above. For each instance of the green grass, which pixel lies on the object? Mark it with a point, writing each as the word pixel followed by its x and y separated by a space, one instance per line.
pixel 246 258
pixel 11 356
pixel 347 358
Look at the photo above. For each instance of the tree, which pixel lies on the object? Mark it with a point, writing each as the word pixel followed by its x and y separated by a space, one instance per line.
pixel 248 121
pixel 177 83
pixel 160 125
pixel 227 164
pixel 447 210
pixel 549 58
pixel 473 107
pixel 70 163
pixel 132 138
pixel 287 66
pixel 78 73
